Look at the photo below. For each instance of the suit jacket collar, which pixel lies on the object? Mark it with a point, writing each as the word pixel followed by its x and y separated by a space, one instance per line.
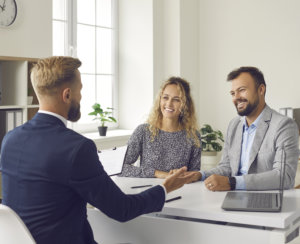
pixel 237 147
pixel 262 128
pixel 47 118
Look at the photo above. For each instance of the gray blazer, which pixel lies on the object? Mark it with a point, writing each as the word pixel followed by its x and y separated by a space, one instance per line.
pixel 274 131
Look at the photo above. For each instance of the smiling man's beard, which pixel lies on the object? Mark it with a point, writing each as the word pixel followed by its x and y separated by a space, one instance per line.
pixel 74 113
pixel 249 108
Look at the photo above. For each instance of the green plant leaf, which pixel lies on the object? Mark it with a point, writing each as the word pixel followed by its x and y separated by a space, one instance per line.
pixel 211 140
pixel 101 114
pixel 113 119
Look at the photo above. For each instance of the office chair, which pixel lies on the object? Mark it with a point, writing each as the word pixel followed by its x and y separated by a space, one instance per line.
pixel 12 228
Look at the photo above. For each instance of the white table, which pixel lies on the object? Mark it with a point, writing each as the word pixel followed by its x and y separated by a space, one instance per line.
pixel 198 218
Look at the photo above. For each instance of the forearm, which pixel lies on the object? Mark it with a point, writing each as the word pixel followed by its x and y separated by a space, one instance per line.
pixel 224 170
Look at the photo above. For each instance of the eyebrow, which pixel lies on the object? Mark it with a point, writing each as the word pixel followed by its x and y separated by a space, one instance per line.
pixel 231 91
pixel 165 94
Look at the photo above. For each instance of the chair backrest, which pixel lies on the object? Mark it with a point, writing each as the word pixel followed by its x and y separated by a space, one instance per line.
pixel 12 228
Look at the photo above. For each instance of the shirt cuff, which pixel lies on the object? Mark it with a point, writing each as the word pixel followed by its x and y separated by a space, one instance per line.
pixel 164 190
pixel 240 183
pixel 203 176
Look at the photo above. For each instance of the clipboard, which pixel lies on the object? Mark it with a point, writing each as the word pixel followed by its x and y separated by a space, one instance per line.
pixel 113 159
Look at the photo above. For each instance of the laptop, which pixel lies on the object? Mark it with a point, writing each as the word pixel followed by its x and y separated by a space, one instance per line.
pixel 112 160
pixel 257 201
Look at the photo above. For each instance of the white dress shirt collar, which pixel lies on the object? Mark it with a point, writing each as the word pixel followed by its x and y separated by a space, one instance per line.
pixel 55 115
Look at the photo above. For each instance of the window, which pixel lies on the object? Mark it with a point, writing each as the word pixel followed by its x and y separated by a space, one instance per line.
pixel 87 30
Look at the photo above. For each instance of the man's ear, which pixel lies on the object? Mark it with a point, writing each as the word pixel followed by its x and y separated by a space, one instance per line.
pixel 66 95
pixel 262 89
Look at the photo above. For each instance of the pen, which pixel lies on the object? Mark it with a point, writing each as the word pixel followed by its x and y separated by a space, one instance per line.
pixel 173 199
pixel 133 187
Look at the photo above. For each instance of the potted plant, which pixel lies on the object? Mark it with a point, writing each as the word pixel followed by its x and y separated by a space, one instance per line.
pixel 211 139
pixel 103 116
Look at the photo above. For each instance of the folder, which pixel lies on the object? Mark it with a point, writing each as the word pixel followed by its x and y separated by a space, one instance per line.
pixel 18 118
pixel 10 120
pixel 293 113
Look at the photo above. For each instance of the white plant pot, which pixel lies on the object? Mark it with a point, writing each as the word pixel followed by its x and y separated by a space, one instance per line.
pixel 209 160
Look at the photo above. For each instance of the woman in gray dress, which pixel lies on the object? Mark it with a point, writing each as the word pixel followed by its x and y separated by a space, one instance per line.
pixel 170 138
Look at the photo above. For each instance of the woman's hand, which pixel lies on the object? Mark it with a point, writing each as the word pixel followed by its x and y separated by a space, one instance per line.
pixel 194 175
pixel 161 174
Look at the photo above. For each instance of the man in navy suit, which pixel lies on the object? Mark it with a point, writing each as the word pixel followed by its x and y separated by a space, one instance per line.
pixel 50 172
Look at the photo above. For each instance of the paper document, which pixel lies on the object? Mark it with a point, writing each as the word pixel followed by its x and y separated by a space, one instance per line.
pixel 18 118
pixel 113 159
pixel 10 120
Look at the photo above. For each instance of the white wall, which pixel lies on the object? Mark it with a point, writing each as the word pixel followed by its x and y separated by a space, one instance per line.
pixel 158 39
pixel 135 61
pixel 31 33
pixel 201 40
pixel 262 33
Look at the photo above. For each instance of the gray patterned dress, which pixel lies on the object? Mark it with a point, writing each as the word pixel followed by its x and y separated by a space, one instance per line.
pixel 169 150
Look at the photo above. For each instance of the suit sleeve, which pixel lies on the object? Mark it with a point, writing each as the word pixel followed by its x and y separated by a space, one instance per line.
pixel 91 182
pixel 286 136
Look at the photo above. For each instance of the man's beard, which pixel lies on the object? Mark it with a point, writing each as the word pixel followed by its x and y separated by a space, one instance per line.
pixel 249 108
pixel 74 112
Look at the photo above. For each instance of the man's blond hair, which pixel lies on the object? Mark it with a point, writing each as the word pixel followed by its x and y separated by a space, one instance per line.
pixel 50 73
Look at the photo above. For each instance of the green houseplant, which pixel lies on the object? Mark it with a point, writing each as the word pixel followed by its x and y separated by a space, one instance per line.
pixel 211 139
pixel 103 116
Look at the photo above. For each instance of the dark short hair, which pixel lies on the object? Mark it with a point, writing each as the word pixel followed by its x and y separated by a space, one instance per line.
pixel 255 73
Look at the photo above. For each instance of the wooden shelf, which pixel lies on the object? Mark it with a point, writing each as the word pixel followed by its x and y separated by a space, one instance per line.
pixel 12 107
pixel 15 87
pixel 7 58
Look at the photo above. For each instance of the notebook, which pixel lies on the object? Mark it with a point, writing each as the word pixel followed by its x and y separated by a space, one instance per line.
pixel 112 160
pixel 257 201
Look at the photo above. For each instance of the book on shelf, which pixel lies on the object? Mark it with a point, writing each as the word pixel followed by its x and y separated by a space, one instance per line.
pixel 9 119
pixel 293 113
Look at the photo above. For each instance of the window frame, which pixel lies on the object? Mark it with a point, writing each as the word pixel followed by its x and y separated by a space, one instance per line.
pixel 70 49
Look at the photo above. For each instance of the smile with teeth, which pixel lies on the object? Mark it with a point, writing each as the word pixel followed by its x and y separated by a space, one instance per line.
pixel 240 104
pixel 169 110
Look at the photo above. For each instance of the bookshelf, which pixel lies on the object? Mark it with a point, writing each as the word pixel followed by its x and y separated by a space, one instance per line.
pixel 15 85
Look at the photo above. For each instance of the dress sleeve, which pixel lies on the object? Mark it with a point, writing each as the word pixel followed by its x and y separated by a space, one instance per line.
pixel 134 151
pixel 195 161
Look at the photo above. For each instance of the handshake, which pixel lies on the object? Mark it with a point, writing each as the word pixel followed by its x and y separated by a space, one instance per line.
pixel 176 178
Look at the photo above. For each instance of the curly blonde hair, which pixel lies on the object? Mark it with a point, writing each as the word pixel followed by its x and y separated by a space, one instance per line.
pixel 187 118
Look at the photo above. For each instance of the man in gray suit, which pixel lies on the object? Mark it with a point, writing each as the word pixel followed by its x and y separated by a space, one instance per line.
pixel 251 158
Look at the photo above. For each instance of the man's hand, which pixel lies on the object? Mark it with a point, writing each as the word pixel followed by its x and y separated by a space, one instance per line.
pixel 194 175
pixel 161 174
pixel 217 183
pixel 178 179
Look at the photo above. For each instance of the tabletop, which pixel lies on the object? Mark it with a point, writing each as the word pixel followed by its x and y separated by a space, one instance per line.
pixel 199 203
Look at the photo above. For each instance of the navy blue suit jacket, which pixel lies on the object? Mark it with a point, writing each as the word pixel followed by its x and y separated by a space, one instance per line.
pixel 49 174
